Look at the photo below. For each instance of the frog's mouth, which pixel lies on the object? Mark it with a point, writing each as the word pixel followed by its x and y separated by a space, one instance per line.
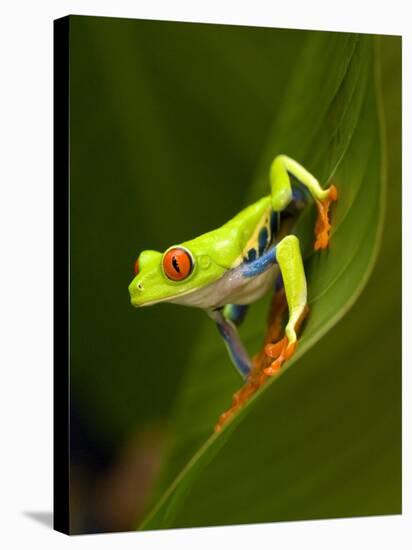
pixel 137 300
pixel 194 297
pixel 137 303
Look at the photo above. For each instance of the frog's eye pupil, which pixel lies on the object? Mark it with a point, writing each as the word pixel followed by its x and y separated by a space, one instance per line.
pixel 136 267
pixel 177 263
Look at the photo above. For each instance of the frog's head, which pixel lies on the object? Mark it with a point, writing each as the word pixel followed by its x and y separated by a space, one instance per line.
pixel 167 277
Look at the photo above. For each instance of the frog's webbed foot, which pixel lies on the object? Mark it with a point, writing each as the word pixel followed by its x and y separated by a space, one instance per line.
pixel 281 351
pixel 252 384
pixel 255 379
pixel 284 348
pixel 322 227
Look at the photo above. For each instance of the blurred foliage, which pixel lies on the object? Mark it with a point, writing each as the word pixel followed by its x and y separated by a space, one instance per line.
pixel 170 125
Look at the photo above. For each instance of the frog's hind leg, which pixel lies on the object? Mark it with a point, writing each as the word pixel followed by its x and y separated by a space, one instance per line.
pixel 282 194
pixel 237 351
pixel 290 262
pixel 257 376
pixel 235 313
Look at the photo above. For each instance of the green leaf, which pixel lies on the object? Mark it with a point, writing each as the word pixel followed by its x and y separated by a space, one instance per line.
pixel 319 440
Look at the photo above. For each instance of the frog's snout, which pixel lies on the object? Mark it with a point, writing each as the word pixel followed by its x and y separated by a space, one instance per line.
pixel 135 290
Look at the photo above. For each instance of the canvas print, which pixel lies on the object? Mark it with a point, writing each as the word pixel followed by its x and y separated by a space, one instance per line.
pixel 228 223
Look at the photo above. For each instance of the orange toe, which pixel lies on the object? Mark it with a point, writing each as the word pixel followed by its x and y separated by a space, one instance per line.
pixel 322 240
pixel 286 351
pixel 323 226
pixel 274 350
pixel 274 368
pixel 333 193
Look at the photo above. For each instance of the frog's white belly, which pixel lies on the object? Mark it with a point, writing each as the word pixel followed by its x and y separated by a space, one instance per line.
pixel 232 288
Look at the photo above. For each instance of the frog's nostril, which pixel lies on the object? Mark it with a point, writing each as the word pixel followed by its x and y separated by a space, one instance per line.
pixel 140 287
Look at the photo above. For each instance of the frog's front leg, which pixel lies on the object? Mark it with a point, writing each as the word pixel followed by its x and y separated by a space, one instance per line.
pixel 235 313
pixel 282 194
pixel 230 335
pixel 290 262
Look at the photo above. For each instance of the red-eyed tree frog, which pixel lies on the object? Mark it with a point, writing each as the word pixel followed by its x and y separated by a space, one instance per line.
pixel 225 270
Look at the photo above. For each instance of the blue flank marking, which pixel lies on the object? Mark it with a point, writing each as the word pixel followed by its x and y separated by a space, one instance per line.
pixel 251 255
pixel 262 240
pixel 279 281
pixel 274 223
pixel 298 194
pixel 251 269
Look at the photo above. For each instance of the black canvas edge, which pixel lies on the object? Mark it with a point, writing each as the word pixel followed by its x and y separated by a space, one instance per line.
pixel 61 365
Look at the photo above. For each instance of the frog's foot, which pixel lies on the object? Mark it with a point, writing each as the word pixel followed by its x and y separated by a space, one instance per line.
pixel 322 227
pixel 283 349
pixel 239 399
pixel 255 379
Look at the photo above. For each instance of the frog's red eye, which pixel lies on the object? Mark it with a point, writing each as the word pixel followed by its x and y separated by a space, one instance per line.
pixel 136 267
pixel 177 263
